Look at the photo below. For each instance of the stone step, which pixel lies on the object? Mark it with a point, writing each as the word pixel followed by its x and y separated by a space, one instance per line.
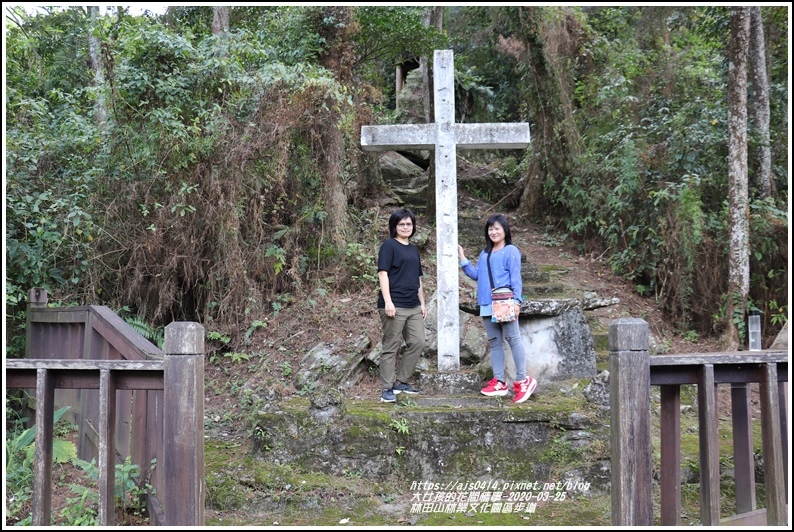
pixel 549 289
pixel 452 401
pixel 448 438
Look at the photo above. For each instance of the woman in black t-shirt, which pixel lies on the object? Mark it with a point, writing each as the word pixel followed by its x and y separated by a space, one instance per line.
pixel 401 305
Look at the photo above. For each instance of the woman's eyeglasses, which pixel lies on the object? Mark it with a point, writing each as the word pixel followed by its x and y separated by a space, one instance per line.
pixel 405 225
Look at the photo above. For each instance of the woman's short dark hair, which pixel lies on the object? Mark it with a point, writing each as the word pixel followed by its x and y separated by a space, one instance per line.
pixel 396 217
pixel 501 219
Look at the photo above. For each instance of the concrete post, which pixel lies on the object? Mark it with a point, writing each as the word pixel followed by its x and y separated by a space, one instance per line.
pixel 446 213
pixel 42 466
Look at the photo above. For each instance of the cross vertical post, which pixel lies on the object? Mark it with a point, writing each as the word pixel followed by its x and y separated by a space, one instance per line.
pixel 447 298
pixel 444 137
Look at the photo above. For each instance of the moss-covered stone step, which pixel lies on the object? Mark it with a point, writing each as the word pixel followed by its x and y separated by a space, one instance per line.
pixel 422 437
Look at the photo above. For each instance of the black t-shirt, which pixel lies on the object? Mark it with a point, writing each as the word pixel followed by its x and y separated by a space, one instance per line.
pixel 402 264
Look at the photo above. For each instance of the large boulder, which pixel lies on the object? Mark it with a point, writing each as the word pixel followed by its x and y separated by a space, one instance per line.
pixel 556 337
pixel 557 340
pixel 407 181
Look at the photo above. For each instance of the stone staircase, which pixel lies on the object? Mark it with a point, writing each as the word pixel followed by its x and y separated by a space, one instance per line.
pixel 458 437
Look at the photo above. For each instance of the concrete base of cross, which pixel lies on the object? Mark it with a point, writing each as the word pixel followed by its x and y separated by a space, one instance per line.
pixel 472 401
pixel 459 383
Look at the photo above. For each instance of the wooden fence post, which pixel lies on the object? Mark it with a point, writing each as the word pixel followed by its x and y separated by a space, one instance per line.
pixel 37 298
pixel 42 466
pixel 45 401
pixel 630 439
pixel 183 419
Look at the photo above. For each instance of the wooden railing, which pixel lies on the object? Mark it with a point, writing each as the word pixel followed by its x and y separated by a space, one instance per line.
pixel 632 373
pixel 129 399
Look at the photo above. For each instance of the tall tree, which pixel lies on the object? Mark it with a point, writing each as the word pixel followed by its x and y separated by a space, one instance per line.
pixel 220 20
pixel 738 209
pixel 95 58
pixel 548 45
pixel 433 17
pixel 759 104
pixel 337 26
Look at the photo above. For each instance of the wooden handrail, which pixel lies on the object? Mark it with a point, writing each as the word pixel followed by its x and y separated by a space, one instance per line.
pixel 48 375
pixel 87 335
pixel 84 375
pixel 118 333
pixel 633 371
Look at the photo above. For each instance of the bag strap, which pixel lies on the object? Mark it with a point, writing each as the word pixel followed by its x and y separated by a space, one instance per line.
pixel 488 262
pixel 490 276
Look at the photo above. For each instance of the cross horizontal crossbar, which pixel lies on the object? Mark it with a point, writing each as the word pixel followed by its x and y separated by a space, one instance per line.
pixel 510 136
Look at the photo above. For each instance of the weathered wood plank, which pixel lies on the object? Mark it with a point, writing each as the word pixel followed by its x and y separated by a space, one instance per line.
pixel 709 448
pixel 65 315
pixel 42 469
pixel 630 438
pixel 129 342
pixel 744 465
pixel 782 399
pixel 87 379
pixel 89 365
pixel 670 468
pixel 106 461
pixel 723 373
pixel 754 518
pixel 737 357
pixel 773 449
pixel 183 460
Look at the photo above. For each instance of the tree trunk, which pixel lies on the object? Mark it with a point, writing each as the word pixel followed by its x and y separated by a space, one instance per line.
pixel 759 105
pixel 335 195
pixel 434 16
pixel 220 20
pixel 738 210
pixel 548 82
pixel 95 59
pixel 337 57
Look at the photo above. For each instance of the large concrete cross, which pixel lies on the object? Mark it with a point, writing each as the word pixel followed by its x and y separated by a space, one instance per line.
pixel 444 136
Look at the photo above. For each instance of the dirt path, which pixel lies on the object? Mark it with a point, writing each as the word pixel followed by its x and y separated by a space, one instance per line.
pixel 550 251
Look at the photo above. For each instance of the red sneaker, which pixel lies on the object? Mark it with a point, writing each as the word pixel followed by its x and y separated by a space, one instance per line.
pixel 524 389
pixel 494 387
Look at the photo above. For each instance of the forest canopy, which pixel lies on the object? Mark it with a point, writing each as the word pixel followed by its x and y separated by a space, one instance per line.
pixel 205 165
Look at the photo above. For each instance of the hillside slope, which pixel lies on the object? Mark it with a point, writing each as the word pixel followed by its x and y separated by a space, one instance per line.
pixel 275 352
pixel 265 358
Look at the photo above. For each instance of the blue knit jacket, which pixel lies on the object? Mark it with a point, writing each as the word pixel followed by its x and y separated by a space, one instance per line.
pixel 506 271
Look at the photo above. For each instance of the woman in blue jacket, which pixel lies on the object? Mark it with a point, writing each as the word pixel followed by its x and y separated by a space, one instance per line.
pixel 505 263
